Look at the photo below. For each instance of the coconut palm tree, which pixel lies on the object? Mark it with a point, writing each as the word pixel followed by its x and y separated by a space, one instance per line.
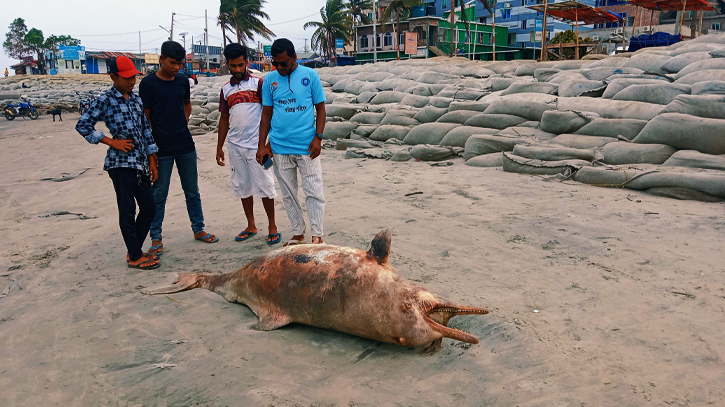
pixel 336 23
pixel 356 10
pixel 244 17
pixel 397 7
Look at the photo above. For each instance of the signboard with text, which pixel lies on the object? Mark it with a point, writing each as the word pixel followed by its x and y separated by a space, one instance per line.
pixel 73 53
pixel 340 45
pixel 267 50
pixel 411 42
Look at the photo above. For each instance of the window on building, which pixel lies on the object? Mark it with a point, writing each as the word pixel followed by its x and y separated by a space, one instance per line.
pixel 402 38
pixel 523 24
pixel 377 41
pixel 489 39
pixel 482 20
pixel 68 64
pixel 364 41
pixel 630 21
pixel 444 4
pixel 506 14
pixel 388 40
pixel 716 26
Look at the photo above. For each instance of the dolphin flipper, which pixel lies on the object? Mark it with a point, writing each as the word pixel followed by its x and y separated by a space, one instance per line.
pixel 270 322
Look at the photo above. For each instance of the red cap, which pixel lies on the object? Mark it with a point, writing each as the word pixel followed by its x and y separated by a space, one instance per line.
pixel 123 66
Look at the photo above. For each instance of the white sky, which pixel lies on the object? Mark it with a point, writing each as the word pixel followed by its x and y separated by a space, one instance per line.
pixel 113 26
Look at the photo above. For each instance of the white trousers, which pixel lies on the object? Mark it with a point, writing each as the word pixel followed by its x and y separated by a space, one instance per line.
pixel 248 177
pixel 286 166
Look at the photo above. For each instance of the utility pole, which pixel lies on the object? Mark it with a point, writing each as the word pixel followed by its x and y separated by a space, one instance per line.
pixel 305 44
pixel 375 31
pixel 206 39
pixel 139 42
pixel 171 33
pixel 183 36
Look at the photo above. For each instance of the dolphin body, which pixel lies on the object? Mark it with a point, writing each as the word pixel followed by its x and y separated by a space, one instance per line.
pixel 338 288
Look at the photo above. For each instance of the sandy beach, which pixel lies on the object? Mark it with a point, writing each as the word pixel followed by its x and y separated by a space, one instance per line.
pixel 598 297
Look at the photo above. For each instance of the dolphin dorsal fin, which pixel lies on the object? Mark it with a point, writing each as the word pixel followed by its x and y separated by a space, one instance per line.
pixel 380 246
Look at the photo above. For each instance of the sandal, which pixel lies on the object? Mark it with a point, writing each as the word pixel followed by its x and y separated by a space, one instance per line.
pixel 318 238
pixel 158 249
pixel 294 242
pixel 141 266
pixel 276 238
pixel 208 236
pixel 147 255
pixel 244 236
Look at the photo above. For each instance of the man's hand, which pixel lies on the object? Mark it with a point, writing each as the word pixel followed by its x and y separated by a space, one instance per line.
pixel 261 152
pixel 220 157
pixel 315 148
pixel 122 145
pixel 153 167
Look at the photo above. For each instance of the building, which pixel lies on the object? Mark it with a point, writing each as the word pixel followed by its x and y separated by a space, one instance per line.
pixel 97 61
pixel 66 59
pixel 713 22
pixel 197 60
pixel 29 66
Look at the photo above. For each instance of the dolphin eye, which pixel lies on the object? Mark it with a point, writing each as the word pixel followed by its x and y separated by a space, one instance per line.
pixel 407 306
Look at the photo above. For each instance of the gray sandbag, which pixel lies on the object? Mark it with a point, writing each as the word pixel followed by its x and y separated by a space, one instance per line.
pixel 530 123
pixel 695 159
pixel 479 144
pixel 415 101
pixel 551 152
pixel 486 160
pixel 599 74
pixel 365 97
pixel 429 133
pixel 710 106
pixel 578 88
pixel 688 194
pixel 427 152
pixel 717 53
pixel 571 65
pixel 386 132
pixel 708 88
pixel 529 69
pixel 440 101
pixel 564 76
pixel 458 136
pixel 519 131
pixel 687 47
pixel 702 76
pixel 627 128
pixel 340 110
pixel 565 121
pixel 340 85
pixel 531 87
pixel 354 152
pixel 468 105
pixel 648 62
pixel 378 76
pixel 498 84
pixel 368 118
pixel 618 85
pixel 431 77
pixel 494 121
pixel 608 62
pixel 392 84
pixel 577 141
pixel 400 118
pixel 612 109
pixel 653 93
pixel 429 114
pixel 604 177
pixel 420 90
pixel 676 130
pixel 521 165
pixel 401 156
pixel 368 87
pixel 711 184
pixel 503 68
pixel 365 130
pixel 544 74
pixel 529 109
pixel 678 63
pixel 355 87
pixel 622 152
pixel 457 93
pixel 344 144
pixel 212 106
pixel 388 97
pixel 338 130
pixel 457 116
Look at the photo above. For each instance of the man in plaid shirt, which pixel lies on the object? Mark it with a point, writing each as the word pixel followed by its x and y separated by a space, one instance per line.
pixel 131 159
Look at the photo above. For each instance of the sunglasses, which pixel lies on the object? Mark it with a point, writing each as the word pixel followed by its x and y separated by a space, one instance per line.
pixel 283 64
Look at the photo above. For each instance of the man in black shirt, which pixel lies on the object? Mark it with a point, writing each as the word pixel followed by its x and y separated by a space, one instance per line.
pixel 166 100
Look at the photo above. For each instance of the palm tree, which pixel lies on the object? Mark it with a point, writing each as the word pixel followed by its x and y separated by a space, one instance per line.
pixel 355 8
pixel 397 7
pixel 244 17
pixel 336 23
pixel 464 17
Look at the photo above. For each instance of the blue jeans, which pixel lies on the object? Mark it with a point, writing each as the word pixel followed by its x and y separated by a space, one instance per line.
pixel 186 168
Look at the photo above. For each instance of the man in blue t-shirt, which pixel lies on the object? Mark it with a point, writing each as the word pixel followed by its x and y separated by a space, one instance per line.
pixel 289 95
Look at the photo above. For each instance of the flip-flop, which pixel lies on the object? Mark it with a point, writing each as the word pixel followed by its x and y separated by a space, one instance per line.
pixel 277 238
pixel 244 236
pixel 208 236
pixel 140 265
pixel 159 247
pixel 148 255
pixel 294 242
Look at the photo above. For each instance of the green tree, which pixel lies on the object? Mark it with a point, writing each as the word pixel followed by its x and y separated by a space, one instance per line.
pixel 34 41
pixel 54 40
pixel 398 7
pixel 14 44
pixel 336 23
pixel 356 9
pixel 244 17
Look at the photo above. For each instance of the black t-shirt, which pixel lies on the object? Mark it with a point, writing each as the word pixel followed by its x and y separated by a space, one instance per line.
pixel 165 100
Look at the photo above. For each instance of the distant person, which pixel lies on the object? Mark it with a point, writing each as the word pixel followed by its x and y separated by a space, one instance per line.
pixel 166 99
pixel 289 96
pixel 240 104
pixel 191 82
pixel 6 72
pixel 131 159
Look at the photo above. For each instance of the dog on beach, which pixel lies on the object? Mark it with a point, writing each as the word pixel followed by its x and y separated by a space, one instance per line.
pixel 55 112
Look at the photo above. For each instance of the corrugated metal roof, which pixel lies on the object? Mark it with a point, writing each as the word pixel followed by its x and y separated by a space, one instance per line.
pixel 110 54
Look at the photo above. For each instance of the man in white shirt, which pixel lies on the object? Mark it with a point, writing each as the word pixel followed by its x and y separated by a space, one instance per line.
pixel 240 105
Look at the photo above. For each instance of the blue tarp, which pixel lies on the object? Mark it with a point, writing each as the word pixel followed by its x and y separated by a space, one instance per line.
pixel 658 39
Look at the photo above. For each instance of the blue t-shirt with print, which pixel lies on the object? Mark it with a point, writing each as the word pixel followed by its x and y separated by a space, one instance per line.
pixel 293 119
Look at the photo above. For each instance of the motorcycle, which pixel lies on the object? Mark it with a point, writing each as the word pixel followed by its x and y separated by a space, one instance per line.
pixel 84 103
pixel 23 109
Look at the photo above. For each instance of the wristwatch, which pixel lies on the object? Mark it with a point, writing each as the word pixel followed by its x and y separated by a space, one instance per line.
pixel 320 136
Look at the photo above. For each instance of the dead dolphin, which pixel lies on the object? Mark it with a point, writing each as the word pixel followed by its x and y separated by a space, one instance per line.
pixel 339 288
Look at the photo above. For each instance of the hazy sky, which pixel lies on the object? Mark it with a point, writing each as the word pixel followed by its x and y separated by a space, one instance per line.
pixel 114 26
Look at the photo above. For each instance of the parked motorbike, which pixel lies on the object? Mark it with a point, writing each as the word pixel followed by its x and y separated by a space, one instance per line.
pixel 84 102
pixel 23 109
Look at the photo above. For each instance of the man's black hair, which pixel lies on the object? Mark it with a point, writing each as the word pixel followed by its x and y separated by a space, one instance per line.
pixel 172 49
pixel 234 51
pixel 283 45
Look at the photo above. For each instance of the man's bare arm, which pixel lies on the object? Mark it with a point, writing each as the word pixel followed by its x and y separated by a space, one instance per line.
pixel 223 130
pixel 187 109
pixel 265 125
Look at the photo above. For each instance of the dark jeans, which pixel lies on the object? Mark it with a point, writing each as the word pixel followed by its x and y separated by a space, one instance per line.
pixel 186 168
pixel 133 187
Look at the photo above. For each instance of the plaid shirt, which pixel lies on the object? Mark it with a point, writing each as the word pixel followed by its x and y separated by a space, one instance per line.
pixel 125 120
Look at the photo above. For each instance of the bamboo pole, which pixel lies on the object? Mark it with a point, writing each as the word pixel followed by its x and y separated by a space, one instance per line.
pixel 634 24
pixel 699 25
pixel 682 19
pixel 544 56
pixel 576 50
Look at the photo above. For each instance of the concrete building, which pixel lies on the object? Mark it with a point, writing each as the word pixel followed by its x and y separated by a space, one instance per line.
pixel 97 61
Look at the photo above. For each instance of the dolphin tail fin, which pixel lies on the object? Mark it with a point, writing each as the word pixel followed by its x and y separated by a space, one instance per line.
pixel 184 282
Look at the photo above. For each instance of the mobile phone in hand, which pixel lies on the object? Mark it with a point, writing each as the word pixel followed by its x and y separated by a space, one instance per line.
pixel 267 161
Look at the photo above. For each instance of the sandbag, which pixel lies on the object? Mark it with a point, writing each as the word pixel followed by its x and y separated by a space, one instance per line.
pixel 529 109
pixel 355 87
pixel 683 194
pixel 365 97
pixel 461 93
pixel 458 136
pixel 571 65
pixel 695 159
pixel 430 114
pixel 388 97
pixel 564 76
pixel 622 152
pixel 486 160
pixel 678 63
pixel 676 130
pixel 440 102
pixel 627 128
pixel 529 69
pixel 565 121
pixel 401 156
pixel 544 74
pixel 427 152
pixel 708 88
pixel 212 106
pixel 612 109
pixel 521 165
pixel 400 118
pixel 618 85
pixel 340 85
pixel 551 152
pixel 378 76
pixel 648 62
pixel 710 106
pixel 420 90
pixel 577 141
pixel 498 84
pixel 393 83
pixel 468 105
pixel 368 118
pixel 654 93
pixel 711 184
pixel 365 130
pixel 599 74
pixel 344 144
pixel 339 110
pixel 494 121
pixel 519 131
pixel 575 88
pixel 429 133
pixel 386 132
pixel 457 116
pixel 338 130
pixel 479 144
pixel 531 87
pixel 608 62
pixel 604 177
pixel 415 101
pixel 702 76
